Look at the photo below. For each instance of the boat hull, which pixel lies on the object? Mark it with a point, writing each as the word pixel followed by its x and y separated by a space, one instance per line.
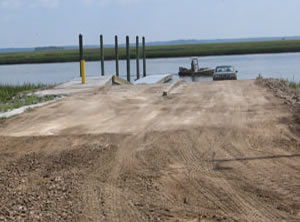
pixel 206 72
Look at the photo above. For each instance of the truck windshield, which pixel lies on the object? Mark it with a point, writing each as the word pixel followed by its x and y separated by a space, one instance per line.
pixel 225 69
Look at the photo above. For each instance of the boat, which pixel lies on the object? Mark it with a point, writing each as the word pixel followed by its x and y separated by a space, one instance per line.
pixel 195 70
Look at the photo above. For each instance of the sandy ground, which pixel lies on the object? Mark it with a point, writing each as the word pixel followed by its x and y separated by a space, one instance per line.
pixel 214 151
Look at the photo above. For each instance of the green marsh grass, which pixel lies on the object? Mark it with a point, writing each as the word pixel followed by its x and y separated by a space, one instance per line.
pixel 292 84
pixel 259 76
pixel 236 48
pixel 13 97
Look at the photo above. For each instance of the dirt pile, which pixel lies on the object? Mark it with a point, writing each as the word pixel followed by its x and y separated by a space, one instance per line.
pixel 33 191
pixel 39 186
pixel 282 90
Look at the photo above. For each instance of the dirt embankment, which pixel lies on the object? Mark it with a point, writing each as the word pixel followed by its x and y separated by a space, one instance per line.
pixel 220 151
pixel 290 95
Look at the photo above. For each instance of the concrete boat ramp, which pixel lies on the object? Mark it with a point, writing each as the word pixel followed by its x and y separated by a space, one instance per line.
pixel 154 79
pixel 75 86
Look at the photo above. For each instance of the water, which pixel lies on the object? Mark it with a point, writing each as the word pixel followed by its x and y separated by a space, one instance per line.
pixel 285 65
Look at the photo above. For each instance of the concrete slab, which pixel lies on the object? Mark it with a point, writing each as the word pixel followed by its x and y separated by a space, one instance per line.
pixel 168 90
pixel 75 86
pixel 154 79
pixel 23 109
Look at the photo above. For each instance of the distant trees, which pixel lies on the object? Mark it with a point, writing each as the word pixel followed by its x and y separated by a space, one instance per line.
pixel 48 48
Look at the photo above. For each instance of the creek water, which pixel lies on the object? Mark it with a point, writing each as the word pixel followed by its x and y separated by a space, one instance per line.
pixel 283 65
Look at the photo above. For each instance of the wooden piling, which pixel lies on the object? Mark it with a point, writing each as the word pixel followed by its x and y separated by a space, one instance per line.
pixel 102 55
pixel 80 52
pixel 117 55
pixel 128 58
pixel 137 59
pixel 144 58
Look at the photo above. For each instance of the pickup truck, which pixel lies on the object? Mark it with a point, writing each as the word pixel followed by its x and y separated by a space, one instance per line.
pixel 225 73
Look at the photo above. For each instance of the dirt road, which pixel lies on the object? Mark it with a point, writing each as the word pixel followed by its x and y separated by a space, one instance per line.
pixel 215 151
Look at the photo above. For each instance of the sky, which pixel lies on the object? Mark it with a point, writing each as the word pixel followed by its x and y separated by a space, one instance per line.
pixel 32 23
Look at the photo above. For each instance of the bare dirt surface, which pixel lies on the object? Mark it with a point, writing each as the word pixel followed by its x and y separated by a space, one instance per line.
pixel 215 151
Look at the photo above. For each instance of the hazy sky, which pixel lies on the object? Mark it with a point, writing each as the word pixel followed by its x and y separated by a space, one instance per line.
pixel 28 23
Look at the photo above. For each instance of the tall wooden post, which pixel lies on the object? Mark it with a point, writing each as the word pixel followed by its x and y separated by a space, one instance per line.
pixel 144 58
pixel 117 55
pixel 80 52
pixel 102 55
pixel 137 58
pixel 128 58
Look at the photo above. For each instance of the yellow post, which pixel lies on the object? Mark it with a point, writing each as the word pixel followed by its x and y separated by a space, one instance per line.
pixel 83 80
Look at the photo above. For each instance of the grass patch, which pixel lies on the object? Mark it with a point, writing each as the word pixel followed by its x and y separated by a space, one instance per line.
pixel 294 85
pixel 13 97
pixel 297 116
pixel 236 48
pixel 8 92
pixel 291 84
pixel 259 76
